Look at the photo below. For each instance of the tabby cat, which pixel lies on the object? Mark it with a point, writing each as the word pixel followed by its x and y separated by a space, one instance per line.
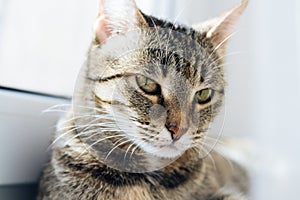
pixel 141 111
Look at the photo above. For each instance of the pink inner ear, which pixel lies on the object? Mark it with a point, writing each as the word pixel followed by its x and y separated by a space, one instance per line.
pixel 101 28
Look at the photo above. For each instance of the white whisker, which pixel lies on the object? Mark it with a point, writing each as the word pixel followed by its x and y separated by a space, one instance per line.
pixel 128 150
pixel 128 140
pixel 218 46
pixel 135 148
pixel 174 23
pixel 222 57
pixel 54 108
pixel 100 140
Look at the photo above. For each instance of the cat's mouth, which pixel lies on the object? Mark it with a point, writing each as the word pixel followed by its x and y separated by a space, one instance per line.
pixel 167 149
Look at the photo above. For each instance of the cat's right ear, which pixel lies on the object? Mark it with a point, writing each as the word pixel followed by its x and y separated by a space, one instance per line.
pixel 220 29
pixel 117 17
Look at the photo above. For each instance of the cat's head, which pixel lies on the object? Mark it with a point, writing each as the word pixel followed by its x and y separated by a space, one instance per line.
pixel 153 84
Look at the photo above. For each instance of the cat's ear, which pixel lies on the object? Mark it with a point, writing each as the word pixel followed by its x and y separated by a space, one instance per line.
pixel 117 17
pixel 219 29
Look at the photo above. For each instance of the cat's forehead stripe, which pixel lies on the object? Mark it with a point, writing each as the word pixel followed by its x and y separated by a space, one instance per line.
pixel 170 61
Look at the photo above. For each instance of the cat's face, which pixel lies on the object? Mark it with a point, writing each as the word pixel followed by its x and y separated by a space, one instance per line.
pixel 159 85
pixel 162 93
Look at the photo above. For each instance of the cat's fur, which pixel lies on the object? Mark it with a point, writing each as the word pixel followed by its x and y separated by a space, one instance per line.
pixel 128 42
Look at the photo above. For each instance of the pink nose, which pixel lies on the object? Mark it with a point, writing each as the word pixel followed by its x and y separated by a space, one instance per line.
pixel 176 132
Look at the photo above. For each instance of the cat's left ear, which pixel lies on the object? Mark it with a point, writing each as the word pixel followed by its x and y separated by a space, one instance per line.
pixel 117 17
pixel 219 29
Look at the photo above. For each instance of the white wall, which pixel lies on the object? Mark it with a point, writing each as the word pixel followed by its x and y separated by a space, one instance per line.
pixel 43 43
pixel 277 72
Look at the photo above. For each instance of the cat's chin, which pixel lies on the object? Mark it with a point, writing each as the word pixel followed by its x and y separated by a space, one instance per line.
pixel 167 151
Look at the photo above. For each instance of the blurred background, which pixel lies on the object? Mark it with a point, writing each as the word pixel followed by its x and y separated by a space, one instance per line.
pixel 43 45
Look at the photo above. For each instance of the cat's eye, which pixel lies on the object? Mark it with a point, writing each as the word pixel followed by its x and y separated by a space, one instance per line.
pixel 204 96
pixel 147 85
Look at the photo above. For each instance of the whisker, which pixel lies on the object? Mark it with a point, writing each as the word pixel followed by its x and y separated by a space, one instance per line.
pixel 218 46
pixel 100 140
pixel 54 108
pixel 207 154
pixel 77 127
pixel 157 35
pixel 225 56
pixel 73 127
pixel 135 148
pixel 67 107
pixel 173 24
pixel 213 140
pixel 128 140
pixel 131 145
pixel 99 130
pixel 79 134
pixel 61 136
pixel 229 161
pixel 106 117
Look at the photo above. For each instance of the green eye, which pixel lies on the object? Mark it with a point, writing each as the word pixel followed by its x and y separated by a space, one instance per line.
pixel 147 85
pixel 204 96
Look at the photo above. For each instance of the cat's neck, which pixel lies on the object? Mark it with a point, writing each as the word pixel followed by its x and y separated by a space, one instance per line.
pixel 77 158
pixel 170 176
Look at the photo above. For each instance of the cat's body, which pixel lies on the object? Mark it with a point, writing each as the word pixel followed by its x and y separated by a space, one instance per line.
pixel 79 169
pixel 71 177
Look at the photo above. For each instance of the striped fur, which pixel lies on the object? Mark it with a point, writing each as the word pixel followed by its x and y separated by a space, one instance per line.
pixel 116 142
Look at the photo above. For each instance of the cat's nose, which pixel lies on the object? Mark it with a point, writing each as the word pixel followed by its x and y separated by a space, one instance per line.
pixel 175 130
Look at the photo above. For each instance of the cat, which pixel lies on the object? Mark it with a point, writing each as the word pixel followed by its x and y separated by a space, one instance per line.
pixel 143 104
